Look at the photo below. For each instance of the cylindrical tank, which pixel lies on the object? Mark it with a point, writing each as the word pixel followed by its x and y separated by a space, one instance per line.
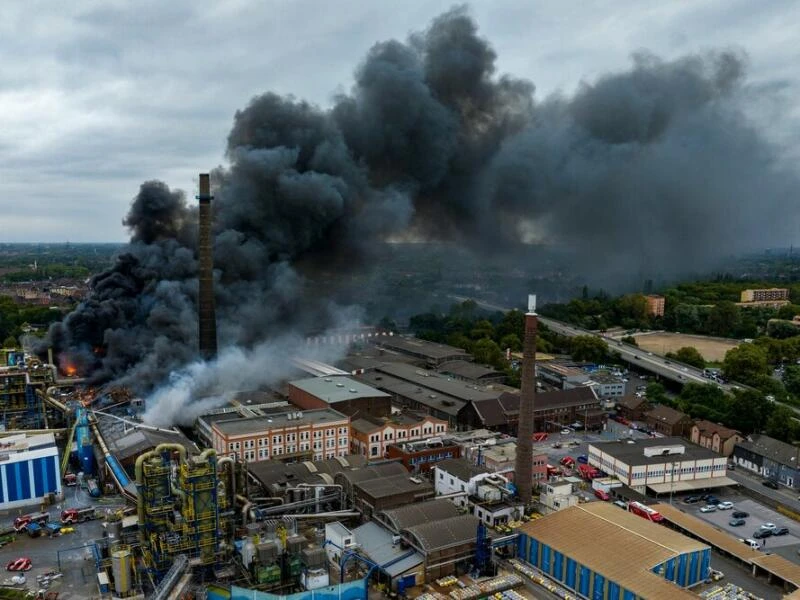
pixel 115 530
pixel 121 568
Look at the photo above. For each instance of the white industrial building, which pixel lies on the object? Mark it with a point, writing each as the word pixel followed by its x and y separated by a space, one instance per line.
pixel 29 470
pixel 664 465
pixel 486 495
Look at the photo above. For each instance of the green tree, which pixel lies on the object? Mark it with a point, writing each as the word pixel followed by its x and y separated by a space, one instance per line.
pixel 656 392
pixel 512 341
pixel 781 330
pixel 723 319
pixel 487 352
pixel 482 329
pixel 690 356
pixel 745 363
pixel 791 379
pixel 629 339
pixel 10 342
pixel 749 411
pixel 589 348
pixel 789 311
pixel 512 322
pixel 781 424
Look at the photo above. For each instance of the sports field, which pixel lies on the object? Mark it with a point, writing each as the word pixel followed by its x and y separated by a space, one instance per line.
pixel 712 349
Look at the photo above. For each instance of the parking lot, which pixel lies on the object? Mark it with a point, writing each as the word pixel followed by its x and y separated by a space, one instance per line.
pixel 758 514
pixel 77 560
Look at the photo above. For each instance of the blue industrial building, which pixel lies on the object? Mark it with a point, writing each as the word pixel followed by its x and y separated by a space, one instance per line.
pixel 605 553
pixel 29 470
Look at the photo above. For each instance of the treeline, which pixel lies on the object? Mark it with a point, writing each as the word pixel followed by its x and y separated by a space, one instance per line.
pixel 747 411
pixel 13 316
pixel 485 335
pixel 704 308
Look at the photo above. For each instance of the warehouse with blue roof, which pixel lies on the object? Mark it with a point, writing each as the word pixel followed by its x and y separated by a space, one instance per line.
pixel 605 553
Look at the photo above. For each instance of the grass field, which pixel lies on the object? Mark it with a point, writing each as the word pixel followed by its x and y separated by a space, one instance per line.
pixel 712 349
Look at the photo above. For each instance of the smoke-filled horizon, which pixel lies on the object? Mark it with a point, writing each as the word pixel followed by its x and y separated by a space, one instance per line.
pixel 656 166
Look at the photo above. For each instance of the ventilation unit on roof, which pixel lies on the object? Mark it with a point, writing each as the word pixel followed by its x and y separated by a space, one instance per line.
pixel 339 385
pixel 353 391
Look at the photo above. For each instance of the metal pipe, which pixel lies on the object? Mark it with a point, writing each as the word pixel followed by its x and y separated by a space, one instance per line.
pixel 229 461
pixel 325 515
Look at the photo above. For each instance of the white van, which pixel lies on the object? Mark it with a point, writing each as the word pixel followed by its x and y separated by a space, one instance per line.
pixel 752 543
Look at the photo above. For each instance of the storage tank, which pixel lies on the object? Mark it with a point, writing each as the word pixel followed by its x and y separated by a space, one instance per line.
pixel 121 569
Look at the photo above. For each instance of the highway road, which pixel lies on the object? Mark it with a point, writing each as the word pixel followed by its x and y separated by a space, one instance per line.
pixel 647 361
pixel 667 368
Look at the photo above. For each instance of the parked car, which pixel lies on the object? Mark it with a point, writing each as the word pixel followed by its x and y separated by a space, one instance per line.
pixel 736 522
pixel 712 500
pixel 566 431
pixel 725 505
pixel 773 485
pixel 781 531
pixel 602 495
pixel 20 564
pixel 762 533
pixel 740 514
pixel 708 508
pixel 583 459
pixel 621 504
pixel 692 499
pixel 769 526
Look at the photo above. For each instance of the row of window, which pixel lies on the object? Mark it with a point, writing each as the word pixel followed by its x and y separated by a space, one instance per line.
pixel 263 454
pixel 415 460
pixel 329 443
pixel 401 434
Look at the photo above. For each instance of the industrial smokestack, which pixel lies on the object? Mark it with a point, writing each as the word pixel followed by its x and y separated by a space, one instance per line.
pixel 206 310
pixel 524 464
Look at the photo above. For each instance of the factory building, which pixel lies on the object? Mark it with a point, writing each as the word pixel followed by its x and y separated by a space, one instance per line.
pixel 21 383
pixel 277 478
pixel 421 456
pixel 551 412
pixel 428 353
pixel 427 391
pixel 372 436
pixel 381 487
pixel 29 471
pixel 471 372
pixel 663 465
pixel 648 561
pixel 307 435
pixel 343 394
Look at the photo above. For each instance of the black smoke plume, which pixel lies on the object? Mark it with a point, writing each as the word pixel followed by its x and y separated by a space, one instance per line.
pixel 654 166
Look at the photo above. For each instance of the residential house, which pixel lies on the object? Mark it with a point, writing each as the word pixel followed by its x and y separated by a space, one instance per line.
pixel 718 438
pixel 667 421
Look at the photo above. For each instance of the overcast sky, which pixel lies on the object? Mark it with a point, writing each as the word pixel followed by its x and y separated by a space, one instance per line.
pixel 98 96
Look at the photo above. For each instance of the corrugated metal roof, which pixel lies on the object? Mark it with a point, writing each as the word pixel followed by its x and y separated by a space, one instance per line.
pixel 376 542
pixel 585 534
pixel 460 468
pixel 706 531
pixel 778 565
pixel 455 531
pixel 417 514
pixel 385 487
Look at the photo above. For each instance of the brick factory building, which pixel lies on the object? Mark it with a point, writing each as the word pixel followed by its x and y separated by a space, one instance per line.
pixel 340 393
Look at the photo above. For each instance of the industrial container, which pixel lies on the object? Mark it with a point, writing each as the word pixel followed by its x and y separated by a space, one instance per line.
pixel 268 574
pixel 267 552
pixel 121 569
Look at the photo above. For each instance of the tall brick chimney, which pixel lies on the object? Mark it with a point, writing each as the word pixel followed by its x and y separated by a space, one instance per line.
pixel 524 463
pixel 206 308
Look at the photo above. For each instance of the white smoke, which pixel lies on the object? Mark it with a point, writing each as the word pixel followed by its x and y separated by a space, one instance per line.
pixel 202 386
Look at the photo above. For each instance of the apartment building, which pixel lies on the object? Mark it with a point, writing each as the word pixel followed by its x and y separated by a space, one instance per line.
pixel 308 435
pixel 765 295
pixel 655 305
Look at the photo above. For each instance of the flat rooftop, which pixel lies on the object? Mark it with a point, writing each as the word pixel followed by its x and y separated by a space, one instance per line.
pixel 335 389
pixel 633 454
pixel 434 381
pixel 420 347
pixel 244 425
